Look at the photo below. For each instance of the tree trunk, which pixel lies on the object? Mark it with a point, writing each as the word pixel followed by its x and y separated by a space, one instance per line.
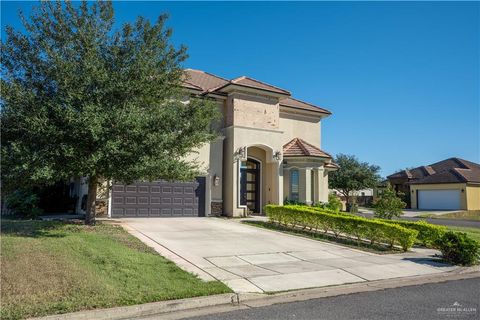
pixel 91 198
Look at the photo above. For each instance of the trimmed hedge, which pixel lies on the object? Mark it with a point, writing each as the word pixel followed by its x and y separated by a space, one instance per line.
pixel 428 234
pixel 347 225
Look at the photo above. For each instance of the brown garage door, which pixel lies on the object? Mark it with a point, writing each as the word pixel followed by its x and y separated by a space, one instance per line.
pixel 159 199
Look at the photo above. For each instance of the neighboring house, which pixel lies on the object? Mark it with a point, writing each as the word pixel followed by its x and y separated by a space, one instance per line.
pixel 269 151
pixel 363 197
pixel 451 184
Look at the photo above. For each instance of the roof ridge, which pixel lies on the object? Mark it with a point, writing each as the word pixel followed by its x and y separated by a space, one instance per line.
pixel 459 174
pixel 315 147
pixel 192 84
pixel 268 84
pixel 210 74
pixel 300 142
pixel 237 78
pixel 292 98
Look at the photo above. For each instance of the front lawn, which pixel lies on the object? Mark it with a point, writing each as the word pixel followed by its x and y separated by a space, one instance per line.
pixel 52 267
pixel 474 233
pixel 458 215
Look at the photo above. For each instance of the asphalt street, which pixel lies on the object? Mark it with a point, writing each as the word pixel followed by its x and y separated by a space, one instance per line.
pixel 448 300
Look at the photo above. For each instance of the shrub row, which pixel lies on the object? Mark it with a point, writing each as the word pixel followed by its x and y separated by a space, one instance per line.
pixel 428 234
pixel 351 226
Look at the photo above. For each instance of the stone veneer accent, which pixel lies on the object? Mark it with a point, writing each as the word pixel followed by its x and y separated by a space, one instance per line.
pixel 216 208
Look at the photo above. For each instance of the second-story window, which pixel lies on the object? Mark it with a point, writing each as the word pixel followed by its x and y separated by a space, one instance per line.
pixel 294 185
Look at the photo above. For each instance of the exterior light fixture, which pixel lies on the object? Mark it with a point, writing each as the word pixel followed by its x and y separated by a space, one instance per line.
pixel 216 180
pixel 241 154
pixel 277 155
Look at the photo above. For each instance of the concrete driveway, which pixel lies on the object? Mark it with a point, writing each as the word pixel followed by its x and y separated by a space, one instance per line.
pixel 250 259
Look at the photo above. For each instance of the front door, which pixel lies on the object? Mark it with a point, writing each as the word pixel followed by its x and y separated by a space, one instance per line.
pixel 250 185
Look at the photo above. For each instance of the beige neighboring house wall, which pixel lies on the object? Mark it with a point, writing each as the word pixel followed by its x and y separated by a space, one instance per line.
pixel 473 196
pixel 414 188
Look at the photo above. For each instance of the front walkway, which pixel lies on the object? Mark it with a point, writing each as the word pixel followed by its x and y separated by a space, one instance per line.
pixel 250 259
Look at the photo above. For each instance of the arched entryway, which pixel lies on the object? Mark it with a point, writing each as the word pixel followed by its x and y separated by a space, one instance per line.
pixel 250 185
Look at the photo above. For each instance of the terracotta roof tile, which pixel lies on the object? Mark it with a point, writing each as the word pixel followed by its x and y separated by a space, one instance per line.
pixel 252 83
pixel 202 79
pixel 295 103
pixel 300 148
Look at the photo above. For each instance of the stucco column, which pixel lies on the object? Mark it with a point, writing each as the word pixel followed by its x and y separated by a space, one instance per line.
pixel 279 182
pixel 305 185
pixel 321 185
pixel 316 184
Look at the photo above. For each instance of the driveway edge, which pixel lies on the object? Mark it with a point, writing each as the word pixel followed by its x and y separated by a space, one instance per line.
pixel 177 309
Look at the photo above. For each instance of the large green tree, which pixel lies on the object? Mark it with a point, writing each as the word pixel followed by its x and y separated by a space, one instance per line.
pixel 352 175
pixel 81 98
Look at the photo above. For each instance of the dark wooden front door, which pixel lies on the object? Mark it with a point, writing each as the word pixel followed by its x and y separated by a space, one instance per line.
pixel 250 185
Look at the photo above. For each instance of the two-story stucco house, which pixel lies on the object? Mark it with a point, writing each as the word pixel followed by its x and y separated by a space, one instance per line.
pixel 269 151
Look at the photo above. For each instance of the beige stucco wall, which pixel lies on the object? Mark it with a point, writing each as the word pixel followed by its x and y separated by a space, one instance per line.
pixel 254 111
pixel 445 186
pixel 296 126
pixel 473 197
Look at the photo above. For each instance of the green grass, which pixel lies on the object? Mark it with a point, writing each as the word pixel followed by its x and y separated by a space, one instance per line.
pixel 474 233
pixel 323 237
pixel 52 267
pixel 459 215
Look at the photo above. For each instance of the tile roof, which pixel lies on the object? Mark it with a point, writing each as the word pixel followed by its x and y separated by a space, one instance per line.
pixel 300 148
pixel 252 83
pixel 295 103
pixel 209 83
pixel 452 170
pixel 202 79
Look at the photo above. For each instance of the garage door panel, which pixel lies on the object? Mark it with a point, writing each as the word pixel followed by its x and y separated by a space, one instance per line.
pixel 439 199
pixel 159 199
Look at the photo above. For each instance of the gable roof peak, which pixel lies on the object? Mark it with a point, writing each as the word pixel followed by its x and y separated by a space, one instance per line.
pixel 300 148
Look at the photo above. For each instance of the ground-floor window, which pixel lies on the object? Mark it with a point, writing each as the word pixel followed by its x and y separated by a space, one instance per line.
pixel 294 181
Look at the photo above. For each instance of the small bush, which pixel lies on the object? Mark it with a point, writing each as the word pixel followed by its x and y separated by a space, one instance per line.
pixel 294 203
pixel 389 205
pixel 334 203
pixel 355 227
pixel 458 248
pixel 24 203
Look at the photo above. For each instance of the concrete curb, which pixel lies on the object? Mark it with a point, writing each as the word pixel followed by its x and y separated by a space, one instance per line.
pixel 148 309
pixel 177 309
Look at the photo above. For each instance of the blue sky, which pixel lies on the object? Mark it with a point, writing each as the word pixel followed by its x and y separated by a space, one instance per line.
pixel 402 79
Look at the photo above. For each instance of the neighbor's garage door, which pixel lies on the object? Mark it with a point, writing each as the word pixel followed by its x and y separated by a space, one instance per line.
pixel 159 199
pixel 439 199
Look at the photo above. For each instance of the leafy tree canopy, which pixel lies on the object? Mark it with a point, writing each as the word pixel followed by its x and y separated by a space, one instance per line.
pixel 352 175
pixel 80 98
